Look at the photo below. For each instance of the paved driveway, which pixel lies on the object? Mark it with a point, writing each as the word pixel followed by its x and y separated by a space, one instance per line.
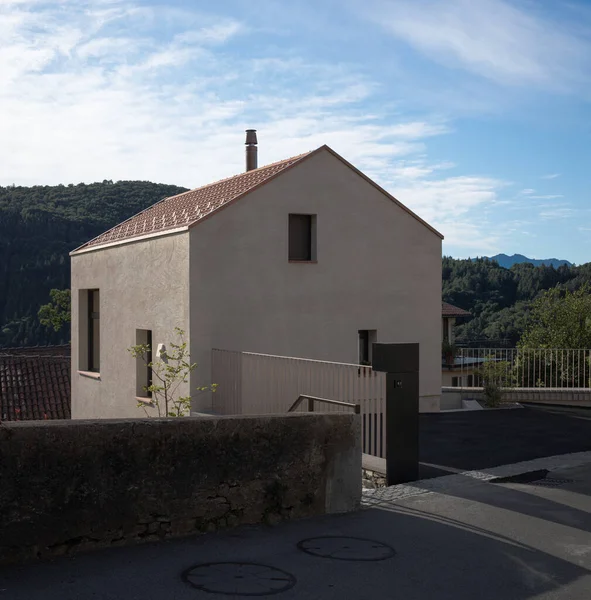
pixel 478 439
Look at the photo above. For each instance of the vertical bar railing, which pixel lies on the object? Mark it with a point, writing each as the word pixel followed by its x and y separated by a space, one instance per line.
pixel 250 383
pixel 527 368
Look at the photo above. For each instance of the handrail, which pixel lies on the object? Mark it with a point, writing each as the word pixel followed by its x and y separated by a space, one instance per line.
pixel 311 399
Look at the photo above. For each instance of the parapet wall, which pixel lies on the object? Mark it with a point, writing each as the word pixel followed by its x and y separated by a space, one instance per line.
pixel 70 486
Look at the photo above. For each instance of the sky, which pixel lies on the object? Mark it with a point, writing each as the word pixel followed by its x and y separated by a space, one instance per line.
pixel 474 114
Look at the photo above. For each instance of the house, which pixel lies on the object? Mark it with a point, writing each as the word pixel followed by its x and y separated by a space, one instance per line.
pixel 306 257
pixel 454 369
pixel 449 315
pixel 35 383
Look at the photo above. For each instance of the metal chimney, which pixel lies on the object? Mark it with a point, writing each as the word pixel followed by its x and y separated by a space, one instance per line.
pixel 251 149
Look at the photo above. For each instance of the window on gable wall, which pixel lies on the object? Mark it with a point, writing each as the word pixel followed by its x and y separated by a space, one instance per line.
pixel 302 238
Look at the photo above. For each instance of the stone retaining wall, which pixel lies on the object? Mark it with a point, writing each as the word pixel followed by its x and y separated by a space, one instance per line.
pixel 71 486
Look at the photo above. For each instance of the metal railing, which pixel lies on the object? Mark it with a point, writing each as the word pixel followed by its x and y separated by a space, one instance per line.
pixel 250 383
pixel 521 368
pixel 312 399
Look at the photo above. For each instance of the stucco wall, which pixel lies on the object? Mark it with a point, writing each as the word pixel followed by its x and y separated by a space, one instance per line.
pixel 447 376
pixel 79 485
pixel 142 285
pixel 378 268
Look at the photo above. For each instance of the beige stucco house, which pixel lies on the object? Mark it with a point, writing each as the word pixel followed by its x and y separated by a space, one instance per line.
pixel 306 257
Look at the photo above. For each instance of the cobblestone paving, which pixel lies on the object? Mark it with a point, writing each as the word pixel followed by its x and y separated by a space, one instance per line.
pixel 449 482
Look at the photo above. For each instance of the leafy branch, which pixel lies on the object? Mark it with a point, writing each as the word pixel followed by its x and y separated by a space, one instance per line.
pixel 169 371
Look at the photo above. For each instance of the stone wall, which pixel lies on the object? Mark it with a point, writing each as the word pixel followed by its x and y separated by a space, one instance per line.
pixel 71 486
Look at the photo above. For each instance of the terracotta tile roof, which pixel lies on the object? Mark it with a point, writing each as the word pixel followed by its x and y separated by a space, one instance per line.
pixel 189 207
pixel 449 310
pixel 61 350
pixel 34 387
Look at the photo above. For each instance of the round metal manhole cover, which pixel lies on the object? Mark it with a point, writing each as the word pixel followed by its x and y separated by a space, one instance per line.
pixel 346 548
pixel 238 578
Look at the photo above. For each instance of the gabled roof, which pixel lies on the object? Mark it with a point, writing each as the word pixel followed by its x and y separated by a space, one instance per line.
pixel 183 210
pixel 178 213
pixel 449 310
pixel 34 387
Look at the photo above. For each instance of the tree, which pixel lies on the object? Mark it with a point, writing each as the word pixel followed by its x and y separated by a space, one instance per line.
pixel 560 319
pixel 169 370
pixel 58 312
pixel 496 376
pixel 39 226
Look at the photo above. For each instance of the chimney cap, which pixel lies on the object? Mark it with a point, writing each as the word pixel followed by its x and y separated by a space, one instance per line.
pixel 251 137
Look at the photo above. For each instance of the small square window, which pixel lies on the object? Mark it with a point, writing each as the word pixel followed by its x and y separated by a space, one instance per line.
pixel 302 238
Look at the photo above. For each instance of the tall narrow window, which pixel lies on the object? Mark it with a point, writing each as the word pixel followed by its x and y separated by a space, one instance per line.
pixel 302 238
pixel 143 371
pixel 94 331
pixel 367 337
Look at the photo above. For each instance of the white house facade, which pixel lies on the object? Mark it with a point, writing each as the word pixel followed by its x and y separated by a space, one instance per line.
pixel 307 257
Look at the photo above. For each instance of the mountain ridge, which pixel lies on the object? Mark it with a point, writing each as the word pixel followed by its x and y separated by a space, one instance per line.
pixel 506 261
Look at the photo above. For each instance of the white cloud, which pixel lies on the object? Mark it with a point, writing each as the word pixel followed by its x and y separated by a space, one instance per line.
pixel 112 95
pixel 216 34
pixel 506 42
pixel 547 197
pixel 551 176
pixel 527 191
pixel 558 212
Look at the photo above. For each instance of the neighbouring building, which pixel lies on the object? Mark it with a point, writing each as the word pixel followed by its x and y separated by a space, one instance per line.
pixel 35 383
pixel 306 257
pixel 456 370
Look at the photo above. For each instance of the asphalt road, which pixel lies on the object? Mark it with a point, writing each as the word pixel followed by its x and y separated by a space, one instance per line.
pixel 479 439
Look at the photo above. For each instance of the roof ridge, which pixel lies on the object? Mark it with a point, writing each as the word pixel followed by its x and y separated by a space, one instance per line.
pixel 273 164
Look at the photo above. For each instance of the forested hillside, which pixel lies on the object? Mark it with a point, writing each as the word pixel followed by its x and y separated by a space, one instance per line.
pixel 499 298
pixel 39 226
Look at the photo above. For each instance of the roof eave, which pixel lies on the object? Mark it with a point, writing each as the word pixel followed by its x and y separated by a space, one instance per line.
pixel 84 249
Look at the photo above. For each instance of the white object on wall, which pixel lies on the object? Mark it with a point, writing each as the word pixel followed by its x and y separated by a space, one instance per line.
pixel 161 352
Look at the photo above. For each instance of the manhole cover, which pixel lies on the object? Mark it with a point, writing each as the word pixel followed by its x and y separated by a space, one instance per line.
pixel 346 548
pixel 238 578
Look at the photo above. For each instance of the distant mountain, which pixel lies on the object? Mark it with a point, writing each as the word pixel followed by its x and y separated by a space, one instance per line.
pixel 508 261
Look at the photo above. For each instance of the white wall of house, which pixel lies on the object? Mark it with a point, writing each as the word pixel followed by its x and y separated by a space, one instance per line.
pixel 377 268
pixel 457 377
pixel 142 285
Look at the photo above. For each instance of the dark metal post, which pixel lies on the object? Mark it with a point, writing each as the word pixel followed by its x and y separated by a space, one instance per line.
pixel 251 149
pixel 401 364
pixel 310 404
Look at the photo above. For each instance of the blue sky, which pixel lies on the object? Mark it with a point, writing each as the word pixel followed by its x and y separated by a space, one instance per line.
pixel 475 114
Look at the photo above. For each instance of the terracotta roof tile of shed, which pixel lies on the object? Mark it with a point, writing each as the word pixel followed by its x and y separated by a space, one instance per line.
pixel 449 310
pixel 34 387
pixel 189 207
